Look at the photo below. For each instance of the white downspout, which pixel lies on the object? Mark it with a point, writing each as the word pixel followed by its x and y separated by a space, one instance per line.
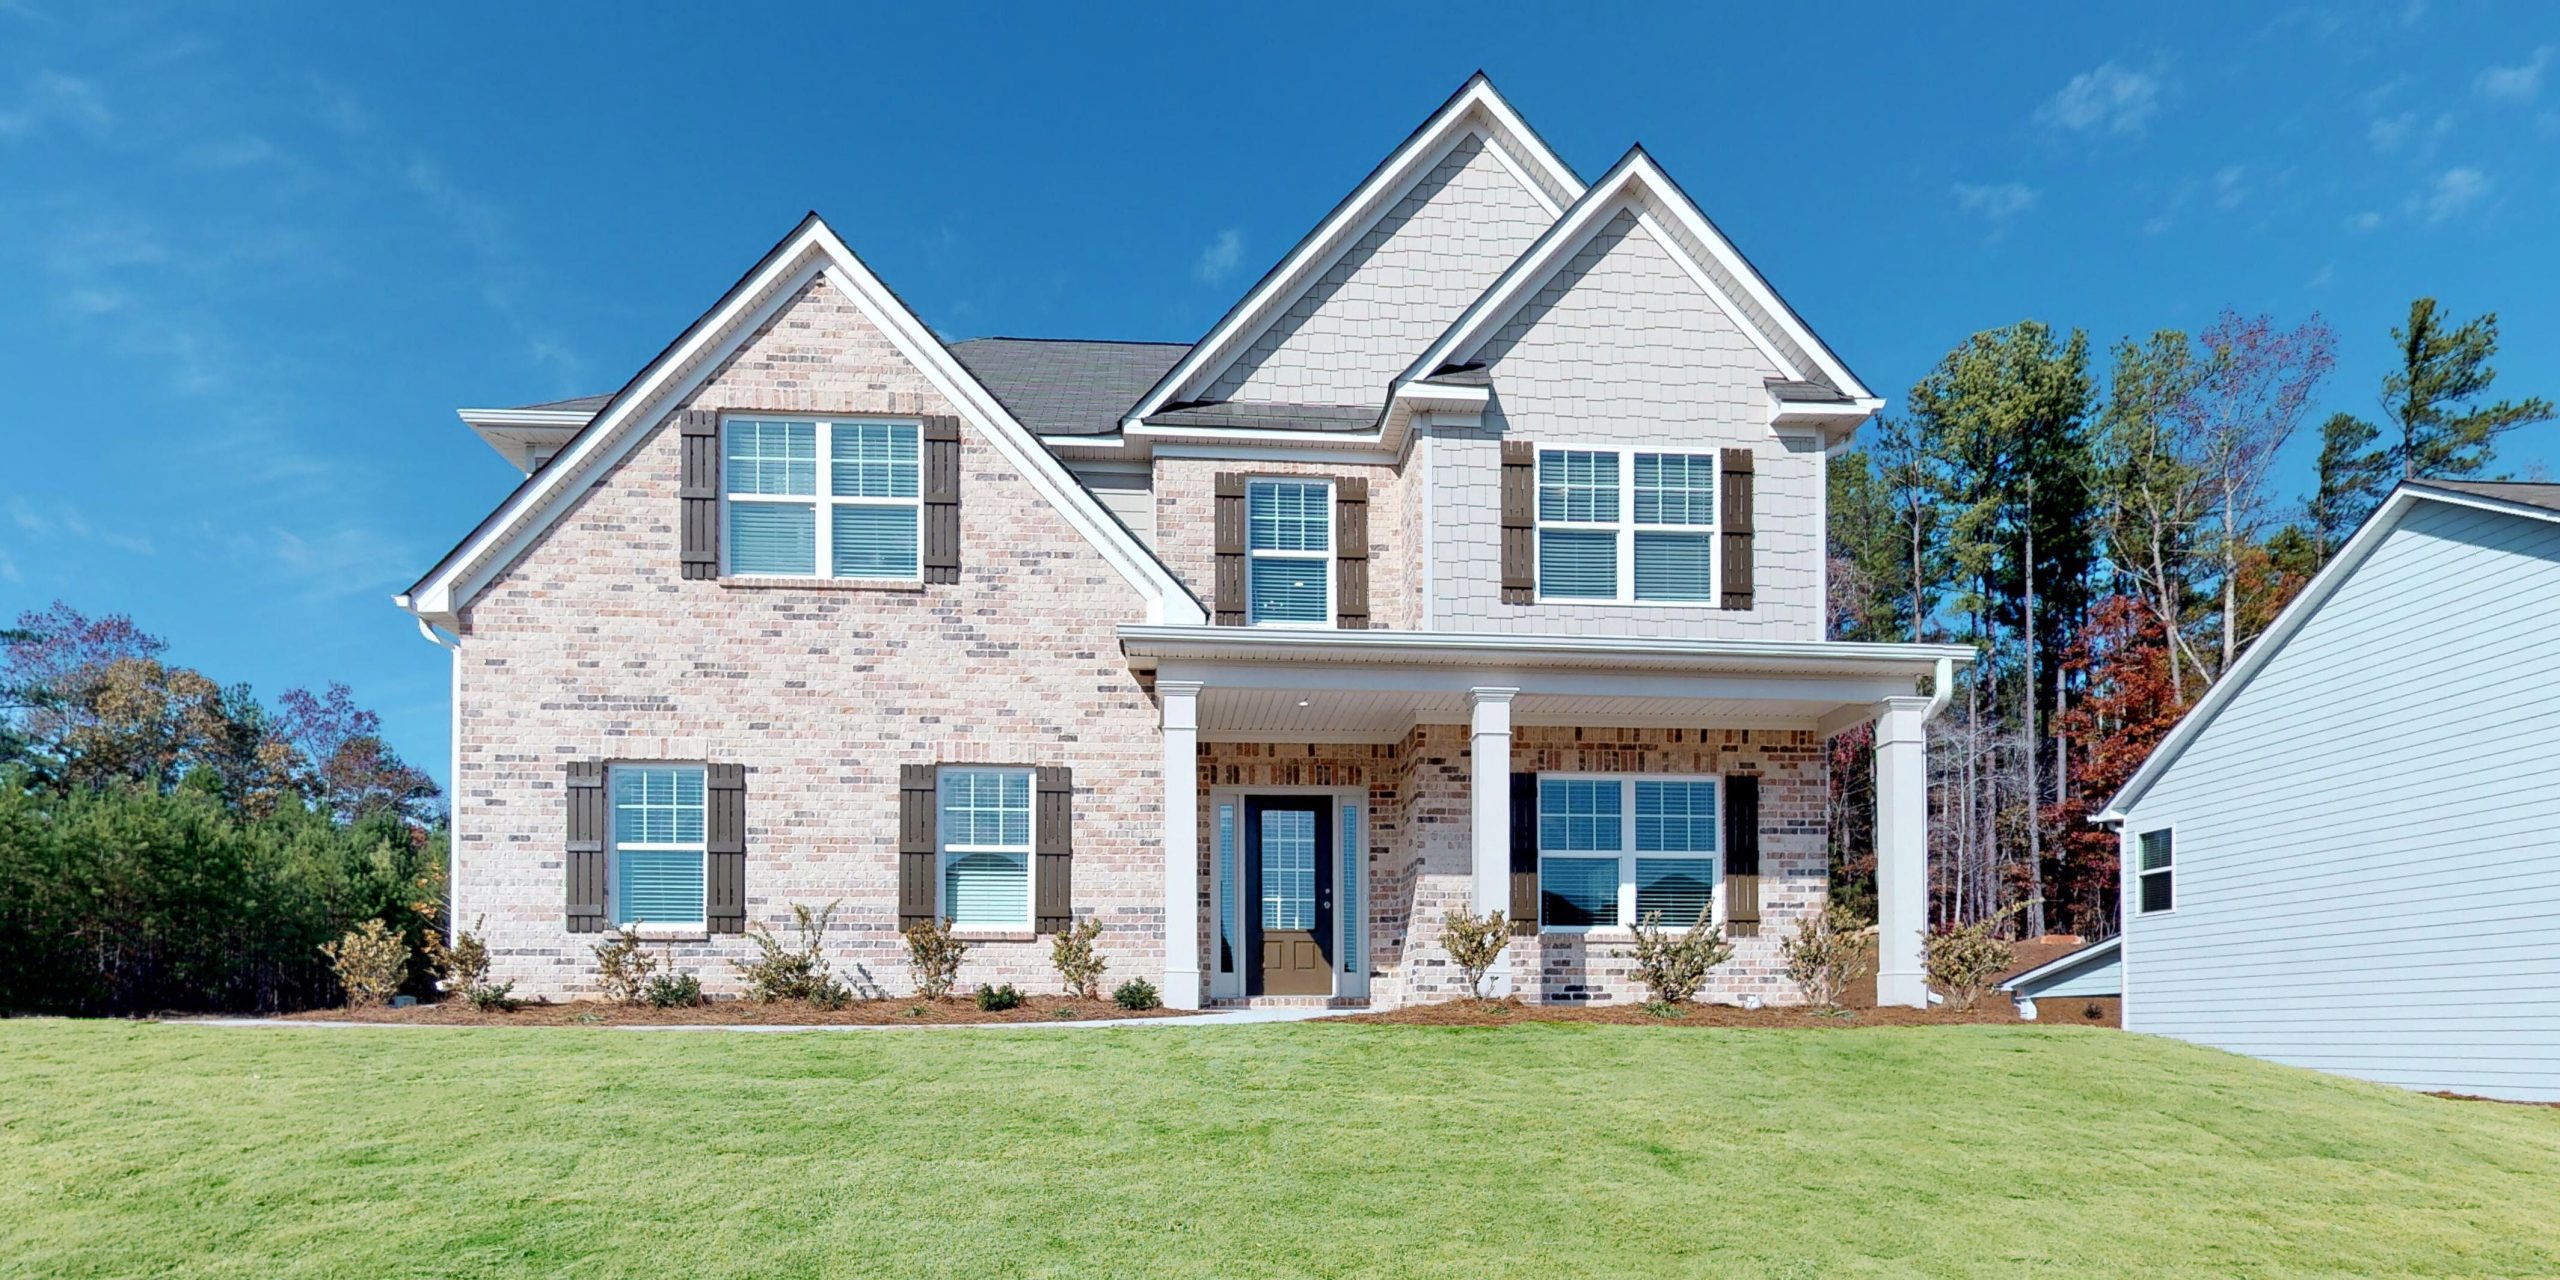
pixel 453 779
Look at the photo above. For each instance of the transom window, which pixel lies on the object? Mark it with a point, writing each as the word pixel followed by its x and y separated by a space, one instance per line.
pixel 1587 530
pixel 985 833
pixel 783 522
pixel 1289 552
pixel 2153 887
pixel 1613 850
pixel 657 845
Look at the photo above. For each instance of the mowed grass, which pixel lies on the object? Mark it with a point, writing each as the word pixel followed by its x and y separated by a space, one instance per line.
pixel 129 1150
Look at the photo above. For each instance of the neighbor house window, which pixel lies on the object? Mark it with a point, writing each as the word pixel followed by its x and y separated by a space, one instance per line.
pixel 986 848
pixel 1289 552
pixel 1612 851
pixel 785 521
pixel 657 845
pixel 1587 528
pixel 2152 888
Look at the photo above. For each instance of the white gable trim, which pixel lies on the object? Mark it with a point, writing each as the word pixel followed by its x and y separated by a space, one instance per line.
pixel 2324 584
pixel 812 252
pixel 1636 183
pixel 1476 110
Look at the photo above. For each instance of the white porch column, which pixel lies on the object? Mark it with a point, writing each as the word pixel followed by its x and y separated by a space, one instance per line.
pixel 1179 703
pixel 1902 850
pixel 1489 791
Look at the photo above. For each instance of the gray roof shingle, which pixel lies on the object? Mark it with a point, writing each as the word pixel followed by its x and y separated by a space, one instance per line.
pixel 1268 417
pixel 1067 386
pixel 2545 496
pixel 1805 392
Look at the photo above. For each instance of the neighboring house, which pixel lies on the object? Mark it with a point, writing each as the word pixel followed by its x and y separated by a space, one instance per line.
pixel 2347 855
pixel 2088 972
pixel 1474 559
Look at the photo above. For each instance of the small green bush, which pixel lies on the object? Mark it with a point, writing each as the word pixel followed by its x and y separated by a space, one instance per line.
pixel 371 962
pixel 934 956
pixel 1673 966
pixel 674 991
pixel 998 999
pixel 1474 944
pixel 463 969
pixel 799 972
pixel 1828 954
pixel 1136 993
pixel 494 997
pixel 1079 965
pixel 623 967
pixel 1963 960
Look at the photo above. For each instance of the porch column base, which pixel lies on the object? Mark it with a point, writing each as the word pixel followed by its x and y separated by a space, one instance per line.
pixel 1179 702
pixel 1902 851
pixel 1489 787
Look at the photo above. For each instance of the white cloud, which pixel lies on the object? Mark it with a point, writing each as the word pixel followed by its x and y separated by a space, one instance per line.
pixel 2517 83
pixel 67 520
pixel 2321 278
pixel 1221 258
pixel 2393 132
pixel 53 97
pixel 1996 202
pixel 2108 99
pixel 2365 221
pixel 2230 186
pixel 2456 192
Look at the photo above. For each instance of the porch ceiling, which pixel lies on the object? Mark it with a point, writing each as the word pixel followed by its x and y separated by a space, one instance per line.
pixel 1232 714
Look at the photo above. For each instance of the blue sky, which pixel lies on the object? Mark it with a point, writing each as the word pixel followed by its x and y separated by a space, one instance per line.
pixel 251 259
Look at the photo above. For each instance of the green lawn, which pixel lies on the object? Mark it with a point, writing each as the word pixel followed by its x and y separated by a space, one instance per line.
pixel 1279 1150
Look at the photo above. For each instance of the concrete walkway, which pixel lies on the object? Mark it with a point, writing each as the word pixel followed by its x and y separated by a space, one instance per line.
pixel 1219 1018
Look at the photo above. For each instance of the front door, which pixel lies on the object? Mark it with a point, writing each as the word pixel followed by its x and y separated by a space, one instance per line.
pixel 1288 870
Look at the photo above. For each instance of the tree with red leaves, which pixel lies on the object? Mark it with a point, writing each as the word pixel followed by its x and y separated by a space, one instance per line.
pixel 2129 702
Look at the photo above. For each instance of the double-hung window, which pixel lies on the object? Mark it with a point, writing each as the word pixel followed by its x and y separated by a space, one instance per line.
pixel 1612 851
pixel 657 845
pixel 1601 537
pixel 2153 889
pixel 1289 552
pixel 822 499
pixel 985 832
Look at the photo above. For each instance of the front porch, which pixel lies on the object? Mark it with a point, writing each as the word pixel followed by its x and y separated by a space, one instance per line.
pixel 1347 790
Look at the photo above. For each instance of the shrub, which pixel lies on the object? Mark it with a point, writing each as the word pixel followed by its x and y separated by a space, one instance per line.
pixel 798 972
pixel 998 999
pixel 371 962
pixel 672 990
pixel 623 967
pixel 934 956
pixel 494 998
pixel 462 968
pixel 1829 953
pixel 1079 965
pixel 1474 944
pixel 1673 967
pixel 1963 960
pixel 1136 993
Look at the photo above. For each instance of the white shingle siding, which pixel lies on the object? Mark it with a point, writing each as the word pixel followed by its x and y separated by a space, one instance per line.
pixel 1623 347
pixel 1353 329
pixel 2368 836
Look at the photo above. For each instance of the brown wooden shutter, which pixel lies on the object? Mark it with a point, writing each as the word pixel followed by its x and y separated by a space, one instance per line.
pixel 1351 553
pixel 915 845
pixel 1736 519
pixel 1524 853
pixel 1519 521
pixel 1229 533
pixel 941 532
pixel 698 493
pixel 724 841
pixel 1742 856
pixel 1053 878
pixel 585 849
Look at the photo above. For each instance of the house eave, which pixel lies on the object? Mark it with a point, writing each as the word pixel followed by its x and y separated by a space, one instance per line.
pixel 1148 645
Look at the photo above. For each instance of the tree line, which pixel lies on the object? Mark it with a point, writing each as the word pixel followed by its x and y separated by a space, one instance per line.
pixel 2110 544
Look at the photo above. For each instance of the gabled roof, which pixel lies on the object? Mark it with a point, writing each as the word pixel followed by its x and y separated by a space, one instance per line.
pixel 2530 501
pixel 1636 183
pixel 2068 960
pixel 1476 107
pixel 811 252
pixel 1067 386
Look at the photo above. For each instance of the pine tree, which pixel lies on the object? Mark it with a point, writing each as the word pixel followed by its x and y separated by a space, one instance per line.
pixel 2352 477
pixel 2429 397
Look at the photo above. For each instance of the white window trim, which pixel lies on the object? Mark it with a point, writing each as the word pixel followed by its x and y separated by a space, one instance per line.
pixel 615 846
pixel 1624 525
pixel 944 851
pixel 1324 559
pixel 822 554
pixel 2134 885
pixel 1627 855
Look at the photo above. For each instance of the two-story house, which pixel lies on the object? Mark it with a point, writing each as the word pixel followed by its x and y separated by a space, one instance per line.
pixel 1473 559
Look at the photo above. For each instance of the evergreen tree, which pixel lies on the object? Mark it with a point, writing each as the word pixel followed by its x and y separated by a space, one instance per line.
pixel 2351 477
pixel 2430 396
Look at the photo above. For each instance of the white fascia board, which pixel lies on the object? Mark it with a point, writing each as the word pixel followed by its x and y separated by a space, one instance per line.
pixel 813 253
pixel 571 419
pixel 1404 167
pixel 2070 959
pixel 2290 620
pixel 1495 648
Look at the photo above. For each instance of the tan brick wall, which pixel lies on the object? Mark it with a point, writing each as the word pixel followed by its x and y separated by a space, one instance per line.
pixel 1186 528
pixel 591 646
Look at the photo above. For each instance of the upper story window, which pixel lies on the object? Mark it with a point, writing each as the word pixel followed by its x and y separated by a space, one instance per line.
pixel 658 850
pixel 1590 535
pixel 861 522
pixel 1289 552
pixel 2153 889
pixel 1612 851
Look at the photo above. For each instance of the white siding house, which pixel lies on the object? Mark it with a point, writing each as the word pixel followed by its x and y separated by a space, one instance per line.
pixel 2347 856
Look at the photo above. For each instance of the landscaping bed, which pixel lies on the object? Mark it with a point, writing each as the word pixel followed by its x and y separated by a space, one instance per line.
pixel 732 1013
pixel 1994 1010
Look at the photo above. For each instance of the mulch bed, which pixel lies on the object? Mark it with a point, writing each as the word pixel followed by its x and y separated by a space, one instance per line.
pixel 1992 1010
pixel 2473 1097
pixel 730 1013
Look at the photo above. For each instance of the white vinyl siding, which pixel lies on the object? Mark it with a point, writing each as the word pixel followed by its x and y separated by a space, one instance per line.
pixel 1602 538
pixel 1613 850
pixel 985 835
pixel 863 526
pixel 657 871
pixel 1289 552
